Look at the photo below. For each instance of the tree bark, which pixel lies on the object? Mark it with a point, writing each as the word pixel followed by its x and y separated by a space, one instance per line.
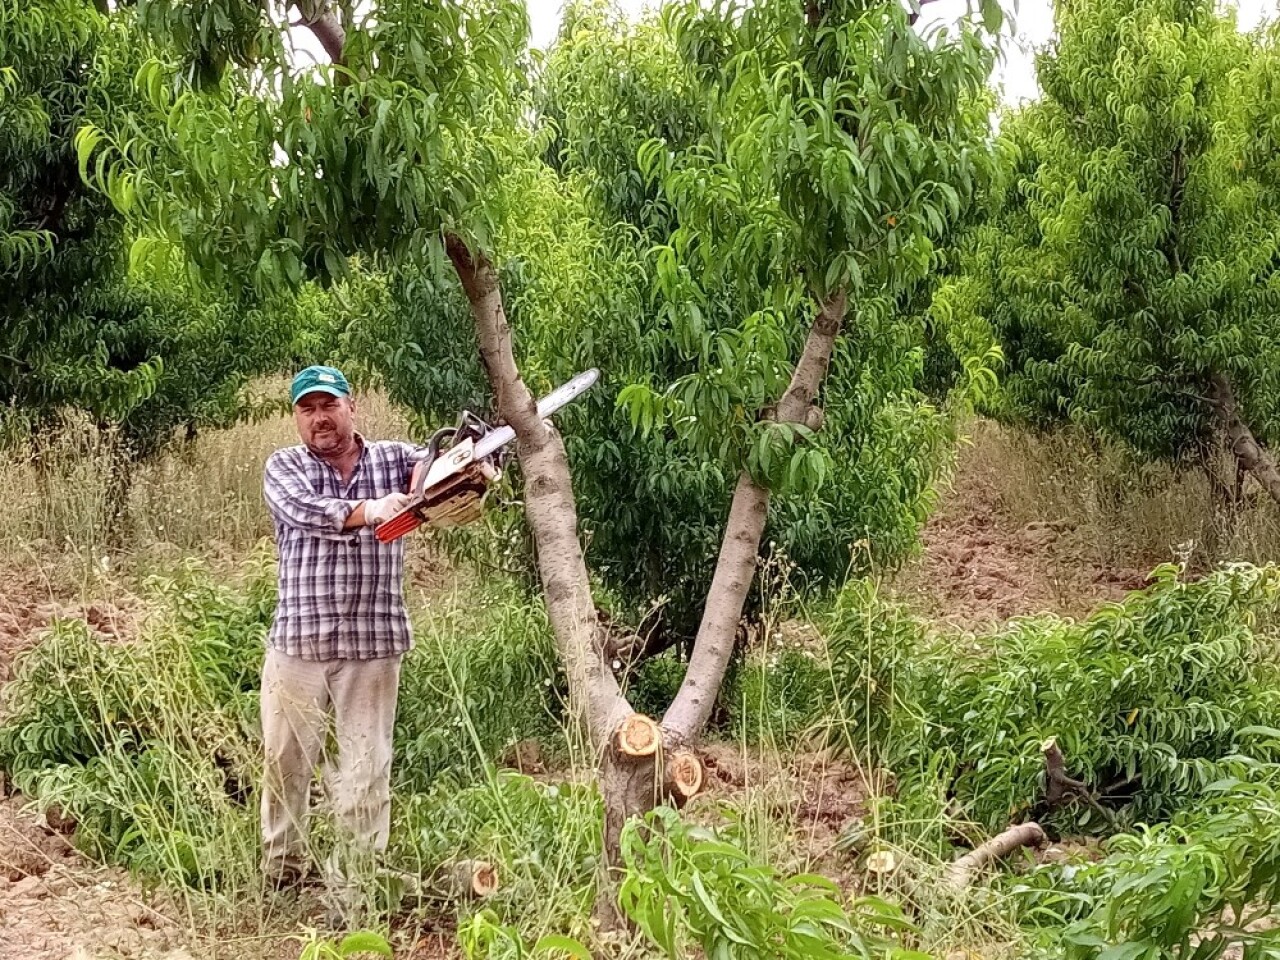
pixel 319 18
pixel 736 567
pixel 959 874
pixel 1249 453
pixel 549 505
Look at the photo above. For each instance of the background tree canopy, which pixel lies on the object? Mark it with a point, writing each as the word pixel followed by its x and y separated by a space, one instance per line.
pixel 140 352
pixel 1129 265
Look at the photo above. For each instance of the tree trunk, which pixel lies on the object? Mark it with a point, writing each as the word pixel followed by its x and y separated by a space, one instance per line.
pixel 736 567
pixel 549 505
pixel 1250 454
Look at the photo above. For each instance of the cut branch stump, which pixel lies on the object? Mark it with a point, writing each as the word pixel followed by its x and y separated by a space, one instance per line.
pixel 637 736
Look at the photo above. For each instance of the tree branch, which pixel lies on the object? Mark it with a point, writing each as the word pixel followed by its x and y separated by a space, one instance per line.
pixel 736 567
pixel 318 17
pixel 549 504
pixel 960 874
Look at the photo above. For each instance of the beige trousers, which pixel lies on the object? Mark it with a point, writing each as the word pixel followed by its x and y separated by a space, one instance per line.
pixel 297 698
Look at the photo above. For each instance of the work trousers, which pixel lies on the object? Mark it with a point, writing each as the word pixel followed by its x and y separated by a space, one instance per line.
pixel 298 697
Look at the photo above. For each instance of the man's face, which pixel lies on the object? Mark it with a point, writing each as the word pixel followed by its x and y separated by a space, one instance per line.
pixel 326 423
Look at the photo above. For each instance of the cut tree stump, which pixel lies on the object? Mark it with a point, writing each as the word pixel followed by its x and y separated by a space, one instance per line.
pixel 683 776
pixel 637 736
pixel 960 874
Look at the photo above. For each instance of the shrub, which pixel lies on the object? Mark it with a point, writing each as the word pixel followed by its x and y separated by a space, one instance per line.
pixel 1146 698
pixel 1186 889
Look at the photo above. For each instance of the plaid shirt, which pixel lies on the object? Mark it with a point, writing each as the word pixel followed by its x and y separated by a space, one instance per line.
pixel 341 591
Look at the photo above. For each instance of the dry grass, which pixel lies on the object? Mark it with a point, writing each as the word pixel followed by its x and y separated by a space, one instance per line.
pixel 1124 511
pixel 202 498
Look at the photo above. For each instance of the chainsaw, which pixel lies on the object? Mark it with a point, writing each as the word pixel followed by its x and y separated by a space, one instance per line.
pixel 459 464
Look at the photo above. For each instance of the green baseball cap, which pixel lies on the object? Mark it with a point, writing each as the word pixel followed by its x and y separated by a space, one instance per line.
pixel 319 379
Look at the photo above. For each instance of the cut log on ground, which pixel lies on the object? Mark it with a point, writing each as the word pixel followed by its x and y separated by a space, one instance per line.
pixel 637 736
pixel 464 880
pixel 960 874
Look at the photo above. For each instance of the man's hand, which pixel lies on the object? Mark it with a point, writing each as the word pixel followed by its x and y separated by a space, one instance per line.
pixel 384 508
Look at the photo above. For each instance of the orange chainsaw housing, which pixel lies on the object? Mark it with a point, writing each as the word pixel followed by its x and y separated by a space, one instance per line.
pixel 456 500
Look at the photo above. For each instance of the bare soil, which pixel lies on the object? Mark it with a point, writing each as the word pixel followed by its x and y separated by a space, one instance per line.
pixel 980 564
pixel 54 904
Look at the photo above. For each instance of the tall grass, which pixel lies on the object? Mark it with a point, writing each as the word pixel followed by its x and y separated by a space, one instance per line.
pixel 203 497
pixel 1125 512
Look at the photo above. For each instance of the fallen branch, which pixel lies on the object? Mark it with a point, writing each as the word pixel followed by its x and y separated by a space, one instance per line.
pixel 1058 786
pixel 960 873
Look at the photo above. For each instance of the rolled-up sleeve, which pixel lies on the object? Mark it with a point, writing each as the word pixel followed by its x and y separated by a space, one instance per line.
pixel 292 501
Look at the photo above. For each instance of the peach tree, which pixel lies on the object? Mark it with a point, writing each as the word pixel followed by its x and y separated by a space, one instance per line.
pixel 841 145
pixel 1129 266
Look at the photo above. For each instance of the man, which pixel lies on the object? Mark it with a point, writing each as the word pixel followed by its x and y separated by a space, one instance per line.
pixel 340 628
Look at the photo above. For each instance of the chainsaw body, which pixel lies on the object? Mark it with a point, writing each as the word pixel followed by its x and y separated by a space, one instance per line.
pixel 448 487
pixel 448 484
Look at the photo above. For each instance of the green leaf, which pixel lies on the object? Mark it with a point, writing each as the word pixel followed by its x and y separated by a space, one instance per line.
pixel 562 945
pixel 364 941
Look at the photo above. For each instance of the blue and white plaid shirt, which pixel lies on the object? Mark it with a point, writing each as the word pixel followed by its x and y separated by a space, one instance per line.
pixel 341 591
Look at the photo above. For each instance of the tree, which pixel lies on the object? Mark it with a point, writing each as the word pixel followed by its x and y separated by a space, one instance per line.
pixel 412 146
pixel 610 89
pixel 139 355
pixel 1129 267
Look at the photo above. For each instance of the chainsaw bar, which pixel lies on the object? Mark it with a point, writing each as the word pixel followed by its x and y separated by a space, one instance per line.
pixel 454 485
pixel 553 401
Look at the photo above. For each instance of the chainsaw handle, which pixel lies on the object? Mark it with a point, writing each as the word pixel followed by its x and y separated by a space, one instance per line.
pixel 428 457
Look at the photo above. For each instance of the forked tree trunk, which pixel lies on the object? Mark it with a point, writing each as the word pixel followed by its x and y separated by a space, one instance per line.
pixel 737 564
pixel 1250 455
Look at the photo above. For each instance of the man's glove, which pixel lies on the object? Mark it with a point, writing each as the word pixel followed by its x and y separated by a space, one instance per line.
pixel 384 508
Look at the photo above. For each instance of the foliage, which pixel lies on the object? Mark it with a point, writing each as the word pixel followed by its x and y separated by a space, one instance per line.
pixel 144 354
pixel 362 942
pixel 544 836
pixel 1148 699
pixel 879 666
pixel 775 696
pixel 685 885
pixel 147 746
pixel 462 705
pixel 1129 255
pixel 663 133
pixel 416 133
pixel 152 746
pixel 1186 889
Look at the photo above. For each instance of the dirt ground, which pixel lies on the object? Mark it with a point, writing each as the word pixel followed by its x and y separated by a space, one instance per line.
pixel 54 904
pixel 980 565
